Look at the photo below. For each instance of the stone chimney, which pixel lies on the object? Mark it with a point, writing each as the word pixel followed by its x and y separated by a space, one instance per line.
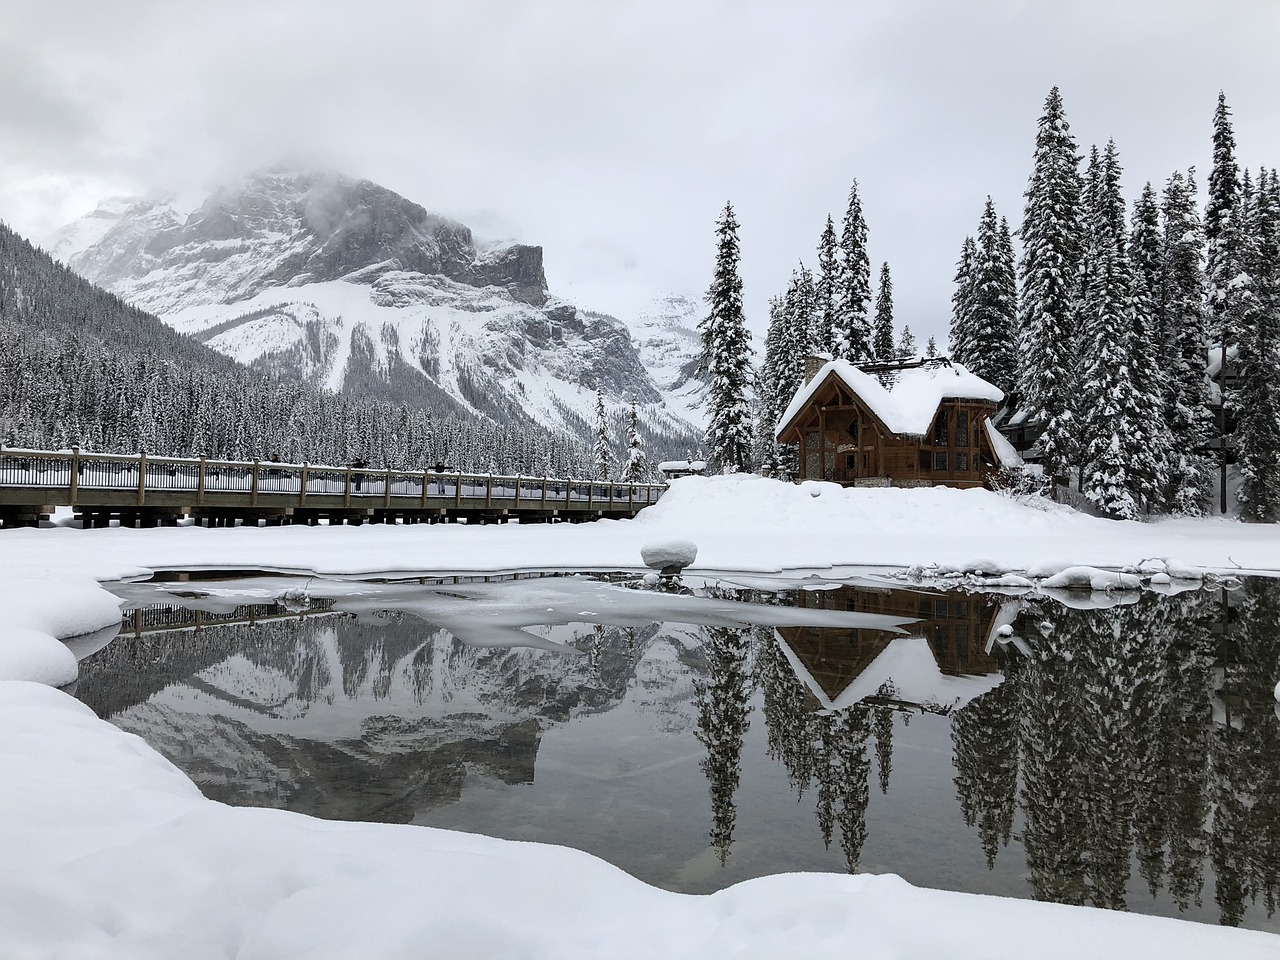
pixel 813 363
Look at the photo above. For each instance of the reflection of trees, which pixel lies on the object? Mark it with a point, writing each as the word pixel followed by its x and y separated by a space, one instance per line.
pixel 882 724
pixel 722 701
pixel 985 737
pixel 1110 724
pixel 1244 842
pixel 823 749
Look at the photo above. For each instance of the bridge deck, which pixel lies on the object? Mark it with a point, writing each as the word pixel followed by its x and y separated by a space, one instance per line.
pixel 145 490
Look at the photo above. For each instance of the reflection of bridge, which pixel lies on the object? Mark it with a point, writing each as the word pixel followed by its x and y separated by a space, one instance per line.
pixel 151 491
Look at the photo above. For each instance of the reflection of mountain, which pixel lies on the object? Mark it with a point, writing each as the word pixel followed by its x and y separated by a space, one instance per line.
pixel 337 719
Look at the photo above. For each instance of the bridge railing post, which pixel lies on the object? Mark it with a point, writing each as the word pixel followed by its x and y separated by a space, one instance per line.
pixel 200 481
pixel 302 485
pixel 425 481
pixel 253 485
pixel 386 493
pixel 346 492
pixel 488 491
pixel 142 478
pixel 75 472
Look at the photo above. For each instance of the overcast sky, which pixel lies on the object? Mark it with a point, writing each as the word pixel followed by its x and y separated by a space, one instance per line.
pixel 612 133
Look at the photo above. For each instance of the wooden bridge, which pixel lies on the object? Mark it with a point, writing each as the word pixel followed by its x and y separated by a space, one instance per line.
pixel 146 491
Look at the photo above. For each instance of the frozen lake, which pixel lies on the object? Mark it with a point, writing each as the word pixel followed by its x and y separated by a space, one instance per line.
pixel 1122 752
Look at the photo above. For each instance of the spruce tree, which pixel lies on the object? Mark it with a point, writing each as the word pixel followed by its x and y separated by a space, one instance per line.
pixel 726 356
pixel 1258 402
pixel 1050 260
pixel 931 348
pixel 1109 399
pixel 1182 300
pixel 768 401
pixel 962 304
pixel 853 291
pixel 990 350
pixel 602 451
pixel 822 337
pixel 883 344
pixel 907 344
pixel 637 468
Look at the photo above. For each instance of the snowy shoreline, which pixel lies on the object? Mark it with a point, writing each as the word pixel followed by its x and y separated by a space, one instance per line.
pixel 112 852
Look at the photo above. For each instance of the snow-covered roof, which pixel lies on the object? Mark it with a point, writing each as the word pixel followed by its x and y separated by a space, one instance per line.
pixel 910 406
pixel 909 665
pixel 1004 450
pixel 685 466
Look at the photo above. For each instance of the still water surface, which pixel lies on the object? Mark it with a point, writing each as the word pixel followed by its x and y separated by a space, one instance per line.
pixel 1120 752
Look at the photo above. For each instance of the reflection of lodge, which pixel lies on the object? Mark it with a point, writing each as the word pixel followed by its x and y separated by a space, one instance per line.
pixel 957 628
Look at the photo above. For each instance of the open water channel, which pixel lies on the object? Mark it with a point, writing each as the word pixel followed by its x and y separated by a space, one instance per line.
pixel 1121 751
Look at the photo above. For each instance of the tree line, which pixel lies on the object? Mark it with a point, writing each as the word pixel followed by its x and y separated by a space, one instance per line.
pixel 1101 332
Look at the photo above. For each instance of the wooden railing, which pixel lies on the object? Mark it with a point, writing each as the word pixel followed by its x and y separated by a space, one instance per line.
pixel 75 478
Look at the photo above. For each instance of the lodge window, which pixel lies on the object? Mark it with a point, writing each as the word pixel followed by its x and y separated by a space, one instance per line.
pixel 939 461
pixel 962 461
pixel 852 430
pixel 849 461
pixel 926 460
pixel 941 435
pixel 962 428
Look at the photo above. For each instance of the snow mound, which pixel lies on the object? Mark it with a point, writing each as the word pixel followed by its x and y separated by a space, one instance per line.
pixel 666 554
pixel 27 654
pixel 1091 578
pixel 38 614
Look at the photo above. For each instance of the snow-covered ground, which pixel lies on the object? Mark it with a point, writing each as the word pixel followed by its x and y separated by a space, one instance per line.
pixel 739 524
pixel 110 851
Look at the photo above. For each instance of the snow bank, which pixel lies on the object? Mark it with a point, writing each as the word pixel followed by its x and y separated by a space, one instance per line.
pixel 38 614
pixel 741 524
pixel 111 852
pixel 1091 578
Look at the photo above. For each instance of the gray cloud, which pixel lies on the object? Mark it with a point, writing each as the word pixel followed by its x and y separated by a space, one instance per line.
pixel 613 133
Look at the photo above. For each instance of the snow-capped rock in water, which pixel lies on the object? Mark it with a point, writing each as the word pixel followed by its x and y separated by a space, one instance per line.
pixel 348 285
pixel 669 556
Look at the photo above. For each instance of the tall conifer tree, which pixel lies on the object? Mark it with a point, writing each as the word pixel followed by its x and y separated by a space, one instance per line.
pixel 1050 260
pixel 826 287
pixel 1258 403
pixel 853 292
pixel 990 350
pixel 884 334
pixel 1182 299
pixel 962 303
pixel 726 355
pixel 602 451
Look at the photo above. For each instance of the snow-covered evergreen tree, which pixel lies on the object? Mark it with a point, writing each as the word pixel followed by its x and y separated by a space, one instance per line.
pixel 637 469
pixel 1222 231
pixel 726 356
pixel 1050 260
pixel 962 303
pixel 1110 402
pixel 853 291
pixel 931 348
pixel 1258 400
pixel 1182 300
pixel 907 344
pixel 990 349
pixel 602 451
pixel 826 286
pixel 883 342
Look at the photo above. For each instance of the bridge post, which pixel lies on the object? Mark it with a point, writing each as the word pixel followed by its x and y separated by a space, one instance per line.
pixel 631 498
pixel 386 493
pixel 544 491
pixel 517 491
pixel 612 487
pixel 346 493
pixel 425 481
pixel 591 496
pixel 488 492
pixel 302 488
pixel 253 486
pixel 142 478
pixel 200 483
pixel 75 472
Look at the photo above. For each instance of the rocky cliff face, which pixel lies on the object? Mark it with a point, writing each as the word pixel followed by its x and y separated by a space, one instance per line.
pixel 353 287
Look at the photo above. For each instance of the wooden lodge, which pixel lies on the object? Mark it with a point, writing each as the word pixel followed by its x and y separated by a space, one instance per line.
pixel 930 427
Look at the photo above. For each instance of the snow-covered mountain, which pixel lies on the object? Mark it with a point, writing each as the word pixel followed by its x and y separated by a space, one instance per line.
pixel 348 285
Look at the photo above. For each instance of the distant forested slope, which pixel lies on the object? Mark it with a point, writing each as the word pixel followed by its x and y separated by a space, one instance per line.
pixel 80 366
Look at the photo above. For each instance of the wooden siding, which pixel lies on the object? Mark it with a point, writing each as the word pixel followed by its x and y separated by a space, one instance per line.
pixel 842 440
